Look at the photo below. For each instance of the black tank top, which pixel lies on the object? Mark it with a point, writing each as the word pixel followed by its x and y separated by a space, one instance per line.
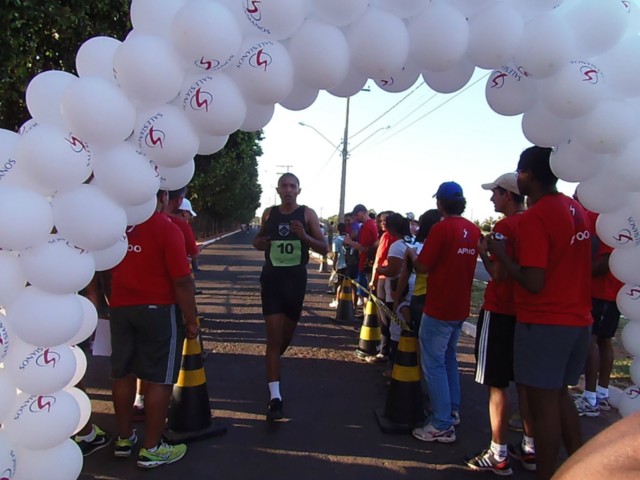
pixel 286 249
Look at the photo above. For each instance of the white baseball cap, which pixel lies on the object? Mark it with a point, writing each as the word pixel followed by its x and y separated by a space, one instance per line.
pixel 508 181
pixel 186 206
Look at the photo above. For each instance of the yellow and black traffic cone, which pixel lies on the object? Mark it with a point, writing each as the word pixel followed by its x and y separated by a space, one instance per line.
pixel 370 333
pixel 404 408
pixel 190 415
pixel 344 313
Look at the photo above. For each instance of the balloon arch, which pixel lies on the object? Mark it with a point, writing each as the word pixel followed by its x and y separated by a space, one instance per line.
pixel 191 72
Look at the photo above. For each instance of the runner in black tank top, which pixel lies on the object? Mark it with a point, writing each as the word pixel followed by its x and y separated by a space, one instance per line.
pixel 286 234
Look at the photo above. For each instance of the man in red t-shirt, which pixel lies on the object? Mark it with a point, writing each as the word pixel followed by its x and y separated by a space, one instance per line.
pixel 494 334
pixel 605 313
pixel 152 308
pixel 449 257
pixel 176 197
pixel 367 236
pixel 553 304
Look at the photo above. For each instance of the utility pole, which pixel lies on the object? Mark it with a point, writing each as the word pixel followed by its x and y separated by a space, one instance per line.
pixel 345 156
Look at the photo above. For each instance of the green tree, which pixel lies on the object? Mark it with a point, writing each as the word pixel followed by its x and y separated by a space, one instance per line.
pixel 225 189
pixel 487 224
pixel 39 35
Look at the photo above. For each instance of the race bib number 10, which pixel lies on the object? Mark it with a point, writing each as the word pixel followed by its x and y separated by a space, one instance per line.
pixel 285 253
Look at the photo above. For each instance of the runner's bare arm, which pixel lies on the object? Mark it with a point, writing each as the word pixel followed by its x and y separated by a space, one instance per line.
pixel 314 239
pixel 261 241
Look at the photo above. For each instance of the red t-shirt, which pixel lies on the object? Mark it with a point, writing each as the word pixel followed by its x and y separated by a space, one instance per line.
pixel 498 297
pixel 450 252
pixel 555 235
pixel 386 239
pixel 187 231
pixel 367 237
pixel 603 287
pixel 156 255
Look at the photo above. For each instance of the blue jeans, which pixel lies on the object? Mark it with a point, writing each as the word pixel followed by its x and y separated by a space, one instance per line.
pixel 438 348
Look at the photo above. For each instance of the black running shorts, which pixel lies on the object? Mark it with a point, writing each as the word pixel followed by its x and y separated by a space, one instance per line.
pixel 494 349
pixel 605 318
pixel 282 290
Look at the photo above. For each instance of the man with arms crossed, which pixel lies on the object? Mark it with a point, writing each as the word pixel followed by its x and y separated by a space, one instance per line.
pixel 287 232
pixel 553 306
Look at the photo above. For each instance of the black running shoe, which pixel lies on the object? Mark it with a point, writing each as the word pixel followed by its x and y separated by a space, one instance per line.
pixel 487 461
pixel 528 460
pixel 101 440
pixel 274 410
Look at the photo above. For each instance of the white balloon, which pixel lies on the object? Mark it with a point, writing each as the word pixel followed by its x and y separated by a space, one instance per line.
pixel 628 301
pixel 57 266
pixel 597 26
pixel 509 92
pixel 8 456
pixel 276 19
pixel 401 80
pixel 26 127
pixel 85 407
pixel 28 225
pixel 126 176
pixel 624 166
pixel 81 366
pixel 140 213
pixel 608 128
pixel 378 43
pixel 630 401
pixel 44 319
pixel 109 257
pixel 44 93
pixel 88 218
pixel 12 280
pixel 60 462
pixel 210 144
pixel 153 17
pixel 206 34
pixel 630 337
pixel 55 159
pixel 494 35
pixel 39 370
pixel 301 97
pixel 570 161
pixel 263 71
pixel 7 393
pixel 450 80
pixel 258 116
pixel 623 264
pixel 622 66
pixel 439 37
pixel 352 84
pixel 89 321
pixel 95 58
pixel 148 69
pixel 6 338
pixel 543 128
pixel 619 229
pixel 602 193
pixel 178 177
pixel 13 170
pixel 401 8
pixel 165 135
pixel 320 54
pixel 214 104
pixel 97 111
pixel 545 47
pixel 339 12
pixel 634 370
pixel 576 90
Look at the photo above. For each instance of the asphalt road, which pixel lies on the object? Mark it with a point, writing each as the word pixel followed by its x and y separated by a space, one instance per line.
pixel 330 430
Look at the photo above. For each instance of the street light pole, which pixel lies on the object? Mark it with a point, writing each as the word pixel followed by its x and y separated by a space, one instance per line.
pixel 345 156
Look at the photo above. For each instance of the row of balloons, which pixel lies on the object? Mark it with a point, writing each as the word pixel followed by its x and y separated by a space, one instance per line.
pixel 191 72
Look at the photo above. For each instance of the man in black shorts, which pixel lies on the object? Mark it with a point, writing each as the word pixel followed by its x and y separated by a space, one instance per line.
pixel 287 232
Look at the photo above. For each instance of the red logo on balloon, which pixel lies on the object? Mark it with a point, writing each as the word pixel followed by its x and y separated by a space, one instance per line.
pixel 498 80
pixel 634 293
pixel 623 236
pixel 77 145
pixel 42 403
pixel 48 358
pixel 254 10
pixel 201 100
pixel 261 60
pixel 154 138
pixel 207 64
pixel 633 393
pixel 590 74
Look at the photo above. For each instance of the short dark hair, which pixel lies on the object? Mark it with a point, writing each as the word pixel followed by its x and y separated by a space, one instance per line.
pixel 342 228
pixel 453 206
pixel 398 224
pixel 536 160
pixel 427 220
pixel 289 174
pixel 181 192
pixel 517 198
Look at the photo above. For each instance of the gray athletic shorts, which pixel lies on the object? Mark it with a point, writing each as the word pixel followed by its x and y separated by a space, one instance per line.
pixel 549 356
pixel 147 341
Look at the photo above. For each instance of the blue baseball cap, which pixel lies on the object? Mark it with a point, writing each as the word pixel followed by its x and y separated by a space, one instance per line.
pixel 449 191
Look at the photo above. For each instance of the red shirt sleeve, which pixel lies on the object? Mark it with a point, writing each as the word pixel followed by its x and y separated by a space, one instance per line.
pixel 533 243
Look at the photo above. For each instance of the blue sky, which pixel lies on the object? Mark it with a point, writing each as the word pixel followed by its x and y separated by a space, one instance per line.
pixel 398 168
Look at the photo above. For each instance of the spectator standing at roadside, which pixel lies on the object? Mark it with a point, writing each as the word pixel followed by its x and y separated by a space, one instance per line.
pixel 186 211
pixel 339 261
pixel 449 257
pixel 553 306
pixel 367 236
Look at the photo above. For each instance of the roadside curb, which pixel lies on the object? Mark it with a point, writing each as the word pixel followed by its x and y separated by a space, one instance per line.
pixel 212 240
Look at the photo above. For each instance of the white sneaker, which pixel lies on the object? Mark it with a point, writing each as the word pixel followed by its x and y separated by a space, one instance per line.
pixel 429 433
pixel 333 304
pixel 585 409
pixel 360 302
